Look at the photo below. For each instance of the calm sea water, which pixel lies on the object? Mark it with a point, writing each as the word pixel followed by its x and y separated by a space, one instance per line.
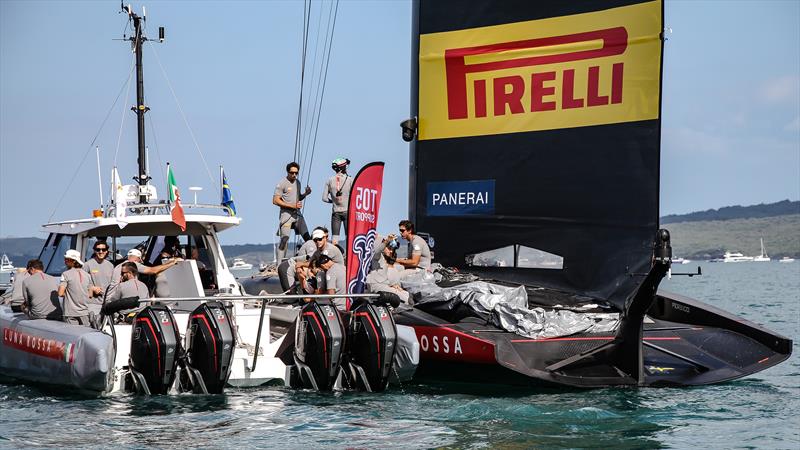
pixel 759 411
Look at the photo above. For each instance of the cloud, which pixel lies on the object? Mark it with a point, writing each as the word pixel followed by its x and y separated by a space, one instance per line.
pixel 780 90
pixel 793 125
pixel 691 141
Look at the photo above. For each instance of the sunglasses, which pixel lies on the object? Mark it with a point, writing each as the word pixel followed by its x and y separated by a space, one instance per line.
pixel 318 239
pixel 99 250
pixel 293 173
pixel 402 230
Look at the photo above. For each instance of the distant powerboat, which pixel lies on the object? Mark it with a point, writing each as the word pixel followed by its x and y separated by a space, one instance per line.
pixel 763 257
pixel 5 264
pixel 677 260
pixel 735 257
pixel 786 259
pixel 239 264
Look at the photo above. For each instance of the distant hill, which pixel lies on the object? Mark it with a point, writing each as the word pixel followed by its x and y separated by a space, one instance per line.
pixel 782 208
pixel 697 235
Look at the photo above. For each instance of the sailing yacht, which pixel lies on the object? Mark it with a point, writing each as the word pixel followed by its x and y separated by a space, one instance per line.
pixel 763 257
pixel 5 264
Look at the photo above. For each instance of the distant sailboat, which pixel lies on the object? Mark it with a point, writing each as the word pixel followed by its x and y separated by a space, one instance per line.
pixel 763 257
pixel 5 264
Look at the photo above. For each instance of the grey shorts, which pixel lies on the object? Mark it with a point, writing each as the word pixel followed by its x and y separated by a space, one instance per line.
pixel 337 219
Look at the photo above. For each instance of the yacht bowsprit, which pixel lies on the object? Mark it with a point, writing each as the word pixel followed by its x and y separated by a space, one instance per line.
pixel 552 111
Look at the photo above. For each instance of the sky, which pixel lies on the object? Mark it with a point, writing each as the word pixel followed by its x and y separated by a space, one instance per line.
pixel 730 104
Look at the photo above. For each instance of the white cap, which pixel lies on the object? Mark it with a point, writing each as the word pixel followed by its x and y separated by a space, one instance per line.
pixel 317 234
pixel 134 252
pixel 74 255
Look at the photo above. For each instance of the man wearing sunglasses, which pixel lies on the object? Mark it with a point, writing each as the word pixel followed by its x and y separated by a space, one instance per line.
pixel 287 196
pixel 100 269
pixel 419 254
pixel 309 251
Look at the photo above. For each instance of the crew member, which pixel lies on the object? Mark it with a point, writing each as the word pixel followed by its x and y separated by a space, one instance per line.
pixel 135 256
pixel 332 279
pixel 288 197
pixel 320 247
pixel 337 192
pixel 14 295
pixel 129 285
pixel 100 269
pixel 419 255
pixel 387 277
pixel 40 293
pixel 76 288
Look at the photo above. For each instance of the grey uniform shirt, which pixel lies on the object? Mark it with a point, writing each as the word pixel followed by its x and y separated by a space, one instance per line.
pixel 334 278
pixel 309 251
pixel 40 292
pixel 289 193
pixel 15 297
pixel 341 182
pixel 76 297
pixel 99 272
pixel 116 275
pixel 127 289
pixel 418 246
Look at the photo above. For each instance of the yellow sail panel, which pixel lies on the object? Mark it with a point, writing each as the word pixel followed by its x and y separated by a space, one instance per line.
pixel 581 70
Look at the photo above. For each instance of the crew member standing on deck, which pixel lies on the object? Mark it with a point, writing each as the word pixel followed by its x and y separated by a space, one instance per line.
pixel 76 288
pixel 288 197
pixel 337 192
pixel 99 268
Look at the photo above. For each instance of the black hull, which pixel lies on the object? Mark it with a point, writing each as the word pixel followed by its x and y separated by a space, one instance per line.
pixel 684 343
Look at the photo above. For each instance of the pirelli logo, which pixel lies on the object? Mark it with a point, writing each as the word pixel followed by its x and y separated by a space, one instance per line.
pixel 546 74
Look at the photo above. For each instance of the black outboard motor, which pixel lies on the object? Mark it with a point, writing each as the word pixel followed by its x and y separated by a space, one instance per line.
pixel 155 350
pixel 371 343
pixel 319 345
pixel 210 343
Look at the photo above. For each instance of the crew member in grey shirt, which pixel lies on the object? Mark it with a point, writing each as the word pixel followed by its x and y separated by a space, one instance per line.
pixel 317 245
pixel 419 254
pixel 287 196
pixel 76 288
pixel 135 256
pixel 40 293
pixel 130 286
pixel 14 295
pixel 337 192
pixel 99 268
pixel 332 279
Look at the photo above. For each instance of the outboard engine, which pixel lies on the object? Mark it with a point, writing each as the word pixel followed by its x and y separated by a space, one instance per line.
pixel 319 345
pixel 210 343
pixel 371 343
pixel 155 348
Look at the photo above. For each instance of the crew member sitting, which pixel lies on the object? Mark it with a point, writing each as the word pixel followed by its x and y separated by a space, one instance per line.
pixel 40 293
pixel 332 279
pixel 387 277
pixel 130 286
pixel 419 255
pixel 310 250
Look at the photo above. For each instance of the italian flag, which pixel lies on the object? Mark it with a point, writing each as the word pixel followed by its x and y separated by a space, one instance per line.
pixel 175 200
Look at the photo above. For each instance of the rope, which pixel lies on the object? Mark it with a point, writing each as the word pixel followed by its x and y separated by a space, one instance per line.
pixel 183 116
pixel 306 22
pixel 91 145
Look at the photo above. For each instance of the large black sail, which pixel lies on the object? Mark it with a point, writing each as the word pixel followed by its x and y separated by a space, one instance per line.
pixel 538 130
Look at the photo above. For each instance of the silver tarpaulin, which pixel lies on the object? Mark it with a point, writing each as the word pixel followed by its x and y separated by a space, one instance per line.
pixel 508 307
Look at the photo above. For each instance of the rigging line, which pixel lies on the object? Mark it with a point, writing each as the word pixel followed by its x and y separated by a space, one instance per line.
pixel 180 109
pixel 324 80
pixel 306 20
pixel 91 145
pixel 304 142
pixel 122 118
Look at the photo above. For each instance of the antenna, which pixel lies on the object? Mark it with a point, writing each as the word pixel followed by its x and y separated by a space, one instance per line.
pixel 160 34
pixel 144 13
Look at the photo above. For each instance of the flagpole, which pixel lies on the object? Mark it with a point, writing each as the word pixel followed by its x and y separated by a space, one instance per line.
pixel 99 175
pixel 221 185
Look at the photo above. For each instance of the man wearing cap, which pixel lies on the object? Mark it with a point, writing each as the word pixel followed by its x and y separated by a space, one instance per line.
pixel 287 196
pixel 40 292
pixel 318 244
pixel 337 192
pixel 135 256
pixel 76 288
pixel 332 279
pixel 99 268
pixel 419 254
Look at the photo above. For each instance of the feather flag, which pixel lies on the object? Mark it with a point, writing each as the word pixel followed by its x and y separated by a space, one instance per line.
pixel 175 200
pixel 119 195
pixel 227 196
